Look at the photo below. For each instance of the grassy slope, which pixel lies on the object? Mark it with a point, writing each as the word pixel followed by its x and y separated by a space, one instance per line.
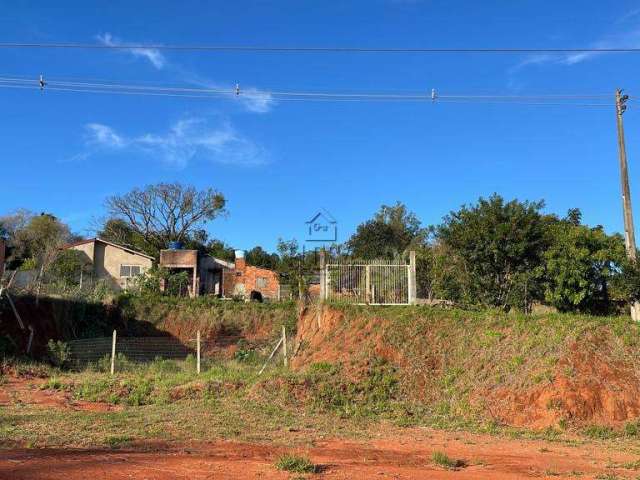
pixel 364 368
pixel 474 365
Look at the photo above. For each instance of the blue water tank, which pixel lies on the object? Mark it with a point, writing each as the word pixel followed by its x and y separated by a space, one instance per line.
pixel 175 245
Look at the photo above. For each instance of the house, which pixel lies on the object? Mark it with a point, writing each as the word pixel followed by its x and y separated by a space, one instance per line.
pixel 212 276
pixel 116 264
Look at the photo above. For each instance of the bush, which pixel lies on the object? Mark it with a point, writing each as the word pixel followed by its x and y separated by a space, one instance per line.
pixel 59 353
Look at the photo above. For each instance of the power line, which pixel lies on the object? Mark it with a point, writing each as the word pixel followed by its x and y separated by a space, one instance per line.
pixel 321 49
pixel 103 87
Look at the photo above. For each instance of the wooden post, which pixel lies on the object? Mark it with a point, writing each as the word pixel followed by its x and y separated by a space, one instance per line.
pixel 270 356
pixel 113 353
pixel 412 278
pixel 284 346
pixel 629 231
pixel 15 310
pixel 198 353
pixel 323 276
pixel 30 342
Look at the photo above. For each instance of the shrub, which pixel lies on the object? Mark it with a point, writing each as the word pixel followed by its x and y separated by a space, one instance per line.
pixel 59 353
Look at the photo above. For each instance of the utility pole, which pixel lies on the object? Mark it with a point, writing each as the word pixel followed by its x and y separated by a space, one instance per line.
pixel 629 232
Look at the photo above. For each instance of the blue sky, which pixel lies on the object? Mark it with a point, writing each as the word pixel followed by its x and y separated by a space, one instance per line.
pixel 279 162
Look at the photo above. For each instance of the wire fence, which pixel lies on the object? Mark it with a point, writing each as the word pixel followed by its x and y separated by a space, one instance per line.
pixel 126 353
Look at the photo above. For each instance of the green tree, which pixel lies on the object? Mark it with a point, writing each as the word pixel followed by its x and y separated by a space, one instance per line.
pixel 219 249
pixel 390 233
pixel 499 245
pixel 258 257
pixel 35 237
pixel 69 265
pixel 120 232
pixel 579 266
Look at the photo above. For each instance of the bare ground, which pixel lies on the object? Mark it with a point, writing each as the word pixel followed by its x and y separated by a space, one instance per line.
pixel 389 455
pixel 406 457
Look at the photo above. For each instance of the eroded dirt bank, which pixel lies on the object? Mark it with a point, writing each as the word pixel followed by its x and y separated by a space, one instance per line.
pixel 526 371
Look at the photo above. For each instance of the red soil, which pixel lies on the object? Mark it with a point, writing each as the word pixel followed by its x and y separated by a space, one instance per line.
pixel 588 386
pixel 390 457
pixel 28 392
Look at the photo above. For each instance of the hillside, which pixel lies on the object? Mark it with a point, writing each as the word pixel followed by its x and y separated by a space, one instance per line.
pixel 451 365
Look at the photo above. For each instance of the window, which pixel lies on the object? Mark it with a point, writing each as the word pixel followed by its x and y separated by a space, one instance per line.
pixel 129 271
pixel 261 282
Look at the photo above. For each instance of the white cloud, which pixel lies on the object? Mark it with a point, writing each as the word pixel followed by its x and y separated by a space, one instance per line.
pixel 104 135
pixel 153 55
pixel 188 139
pixel 629 38
pixel 252 99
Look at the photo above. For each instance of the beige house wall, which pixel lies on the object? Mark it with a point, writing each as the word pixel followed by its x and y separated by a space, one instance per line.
pixel 107 260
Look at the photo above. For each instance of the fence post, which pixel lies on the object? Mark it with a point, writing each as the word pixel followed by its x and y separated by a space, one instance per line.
pixel 30 342
pixel 113 353
pixel 323 277
pixel 367 283
pixel 198 352
pixel 412 278
pixel 284 346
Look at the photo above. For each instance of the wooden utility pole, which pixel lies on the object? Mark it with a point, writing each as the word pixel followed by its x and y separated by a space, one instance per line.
pixel 629 232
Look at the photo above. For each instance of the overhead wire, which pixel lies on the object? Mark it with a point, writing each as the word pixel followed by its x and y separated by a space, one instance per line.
pixel 305 49
pixel 105 87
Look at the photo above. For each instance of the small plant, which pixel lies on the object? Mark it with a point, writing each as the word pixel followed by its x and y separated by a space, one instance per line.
pixel 296 464
pixel 59 353
pixel 118 441
pixel 442 459
pixel 599 432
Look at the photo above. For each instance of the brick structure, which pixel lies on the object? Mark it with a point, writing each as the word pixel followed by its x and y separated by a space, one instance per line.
pixel 250 282
pixel 212 276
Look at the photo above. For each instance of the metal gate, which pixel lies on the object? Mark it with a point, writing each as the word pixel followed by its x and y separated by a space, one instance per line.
pixel 373 282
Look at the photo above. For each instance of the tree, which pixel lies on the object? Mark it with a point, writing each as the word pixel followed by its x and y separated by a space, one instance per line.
pixel 69 266
pixel 391 232
pixel 258 257
pixel 579 266
pixel 218 249
pixel 120 232
pixel 35 237
pixel 166 211
pixel 499 245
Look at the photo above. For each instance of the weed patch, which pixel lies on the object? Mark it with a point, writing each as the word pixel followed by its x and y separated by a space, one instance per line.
pixel 443 460
pixel 296 464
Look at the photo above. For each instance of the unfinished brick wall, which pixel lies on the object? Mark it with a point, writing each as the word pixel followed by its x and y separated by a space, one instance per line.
pixel 244 279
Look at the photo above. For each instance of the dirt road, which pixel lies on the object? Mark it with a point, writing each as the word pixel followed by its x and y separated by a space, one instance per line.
pixel 408 457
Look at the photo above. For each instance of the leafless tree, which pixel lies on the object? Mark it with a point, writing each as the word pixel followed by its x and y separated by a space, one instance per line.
pixel 166 211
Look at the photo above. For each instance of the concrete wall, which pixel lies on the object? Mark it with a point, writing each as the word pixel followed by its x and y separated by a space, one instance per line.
pixel 179 258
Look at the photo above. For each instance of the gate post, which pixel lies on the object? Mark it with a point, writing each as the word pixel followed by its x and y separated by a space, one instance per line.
pixel 323 276
pixel 412 278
